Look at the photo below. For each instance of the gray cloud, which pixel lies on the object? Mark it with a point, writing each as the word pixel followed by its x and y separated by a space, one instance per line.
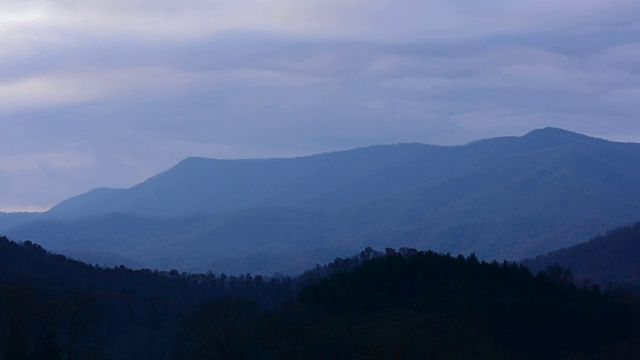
pixel 106 93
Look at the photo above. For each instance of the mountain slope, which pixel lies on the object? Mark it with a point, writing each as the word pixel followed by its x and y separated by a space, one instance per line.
pixel 193 243
pixel 10 220
pixel 512 198
pixel 423 305
pixel 396 304
pixel 53 307
pixel 198 185
pixel 331 180
pixel 613 257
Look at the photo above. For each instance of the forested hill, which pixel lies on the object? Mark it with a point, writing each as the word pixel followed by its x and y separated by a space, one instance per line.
pixel 612 257
pixel 53 307
pixel 423 305
pixel 503 198
pixel 382 305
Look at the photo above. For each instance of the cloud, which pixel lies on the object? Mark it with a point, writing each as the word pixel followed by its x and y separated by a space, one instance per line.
pixel 35 181
pixel 59 161
pixel 107 93
pixel 368 20
pixel 62 88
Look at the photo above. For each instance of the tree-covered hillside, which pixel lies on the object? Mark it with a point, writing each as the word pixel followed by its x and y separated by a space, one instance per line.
pixel 423 305
pixel 612 257
pixel 53 307
pixel 403 304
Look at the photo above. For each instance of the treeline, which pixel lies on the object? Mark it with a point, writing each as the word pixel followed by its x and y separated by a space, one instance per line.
pixel 125 314
pixel 403 304
pixel 425 305
pixel 412 304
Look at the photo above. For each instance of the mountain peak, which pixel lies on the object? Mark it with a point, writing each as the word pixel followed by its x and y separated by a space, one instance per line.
pixel 554 133
pixel 195 160
pixel 551 136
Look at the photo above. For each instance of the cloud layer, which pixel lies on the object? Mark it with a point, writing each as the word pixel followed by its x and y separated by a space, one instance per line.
pixel 106 93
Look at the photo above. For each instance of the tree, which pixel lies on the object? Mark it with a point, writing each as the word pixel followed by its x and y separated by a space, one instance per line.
pixel 221 329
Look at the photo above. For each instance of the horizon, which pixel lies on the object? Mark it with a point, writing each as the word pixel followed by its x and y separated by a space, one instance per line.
pixel 108 93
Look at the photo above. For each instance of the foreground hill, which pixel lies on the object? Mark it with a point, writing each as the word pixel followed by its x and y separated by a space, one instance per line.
pixel 504 198
pixel 396 304
pixel 53 307
pixel 613 257
pixel 422 305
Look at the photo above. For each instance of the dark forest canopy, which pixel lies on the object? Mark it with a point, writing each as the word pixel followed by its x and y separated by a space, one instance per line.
pixel 126 314
pixel 376 305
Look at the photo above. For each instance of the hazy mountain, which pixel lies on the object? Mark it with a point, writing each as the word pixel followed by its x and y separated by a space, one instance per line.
pixel 194 243
pixel 331 180
pixel 10 220
pixel 80 205
pixel 198 185
pixel 613 257
pixel 512 197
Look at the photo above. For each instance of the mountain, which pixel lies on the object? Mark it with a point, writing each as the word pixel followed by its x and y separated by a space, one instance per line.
pixel 194 243
pixel 612 257
pixel 327 181
pixel 10 220
pixel 333 180
pixel 101 197
pixel 504 198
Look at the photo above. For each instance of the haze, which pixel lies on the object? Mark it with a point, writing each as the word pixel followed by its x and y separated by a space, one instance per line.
pixel 108 93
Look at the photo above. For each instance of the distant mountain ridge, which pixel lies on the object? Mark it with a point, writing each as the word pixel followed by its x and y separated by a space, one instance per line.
pixel 200 185
pixel 509 197
pixel 329 180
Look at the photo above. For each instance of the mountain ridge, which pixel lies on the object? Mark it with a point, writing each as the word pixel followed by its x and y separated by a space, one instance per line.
pixel 282 178
pixel 502 198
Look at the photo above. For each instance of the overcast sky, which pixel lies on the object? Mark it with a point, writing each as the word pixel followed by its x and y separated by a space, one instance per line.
pixel 109 92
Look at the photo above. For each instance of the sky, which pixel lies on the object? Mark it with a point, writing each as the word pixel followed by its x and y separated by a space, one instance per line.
pixel 106 93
